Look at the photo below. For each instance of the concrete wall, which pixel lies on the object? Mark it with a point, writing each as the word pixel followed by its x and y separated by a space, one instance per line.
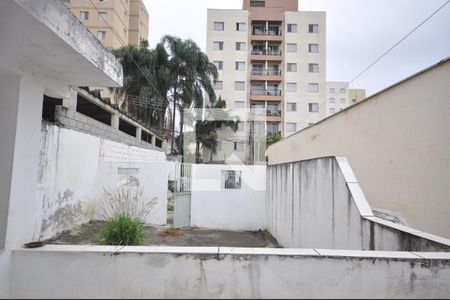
pixel 319 203
pixel 212 206
pixel 74 168
pixel 398 144
pixel 68 117
pixel 162 272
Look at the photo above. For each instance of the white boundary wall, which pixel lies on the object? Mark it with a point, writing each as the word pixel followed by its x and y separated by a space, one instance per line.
pixel 166 272
pixel 74 169
pixel 319 203
pixel 212 206
pixel 398 144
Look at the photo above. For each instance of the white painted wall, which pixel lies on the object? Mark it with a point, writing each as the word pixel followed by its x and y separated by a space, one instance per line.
pixel 75 168
pixel 398 144
pixel 212 206
pixel 161 272
pixel 43 48
pixel 318 203
pixel 20 114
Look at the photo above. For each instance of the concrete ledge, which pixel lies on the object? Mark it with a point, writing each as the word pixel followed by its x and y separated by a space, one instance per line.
pixel 410 230
pixel 367 254
pixel 237 251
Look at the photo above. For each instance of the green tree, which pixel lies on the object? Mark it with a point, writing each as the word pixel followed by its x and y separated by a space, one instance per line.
pixel 175 72
pixel 190 73
pixel 145 82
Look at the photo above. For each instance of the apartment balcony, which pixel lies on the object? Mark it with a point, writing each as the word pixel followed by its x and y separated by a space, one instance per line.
pixel 266 75
pixel 273 116
pixel 273 133
pixel 266 55
pixel 272 34
pixel 265 95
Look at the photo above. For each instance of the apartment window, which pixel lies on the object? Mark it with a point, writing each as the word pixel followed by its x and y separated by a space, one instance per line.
pixel 291 67
pixel 241 26
pixel 240 66
pixel 343 100
pixel 218 85
pixel 291 127
pixel 313 87
pixel 313 48
pixel 332 100
pixel 101 35
pixel 258 3
pixel 240 46
pixel 291 87
pixel 218 45
pixel 332 90
pixel 313 68
pixel 239 85
pixel 292 28
pixel 290 106
pixel 313 28
pixel 291 47
pixel 313 107
pixel 84 15
pixel 342 91
pixel 219 26
pixel 218 64
pixel 231 180
pixel 239 104
pixel 332 110
pixel 102 16
pixel 238 146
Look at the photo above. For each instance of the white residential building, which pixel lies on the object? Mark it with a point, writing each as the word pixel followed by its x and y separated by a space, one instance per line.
pixel 271 59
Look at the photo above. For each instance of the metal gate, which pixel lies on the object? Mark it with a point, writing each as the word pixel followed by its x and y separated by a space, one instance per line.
pixel 182 209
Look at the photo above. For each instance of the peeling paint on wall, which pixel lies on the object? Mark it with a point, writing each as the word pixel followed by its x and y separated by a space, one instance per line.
pixel 73 171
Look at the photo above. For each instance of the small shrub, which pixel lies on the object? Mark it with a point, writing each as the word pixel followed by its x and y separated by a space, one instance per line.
pixel 123 230
pixel 170 207
pixel 125 201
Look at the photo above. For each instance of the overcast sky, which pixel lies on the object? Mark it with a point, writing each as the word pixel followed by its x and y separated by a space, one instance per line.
pixel 358 32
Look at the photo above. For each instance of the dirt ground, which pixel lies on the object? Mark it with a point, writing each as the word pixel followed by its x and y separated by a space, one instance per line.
pixel 88 234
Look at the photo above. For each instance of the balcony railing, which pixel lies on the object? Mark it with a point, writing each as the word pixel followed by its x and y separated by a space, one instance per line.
pixel 266 52
pixel 273 113
pixel 273 133
pixel 265 92
pixel 258 31
pixel 264 72
pixel 258 111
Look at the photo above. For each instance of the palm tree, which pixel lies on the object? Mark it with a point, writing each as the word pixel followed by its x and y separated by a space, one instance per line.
pixel 144 81
pixel 190 73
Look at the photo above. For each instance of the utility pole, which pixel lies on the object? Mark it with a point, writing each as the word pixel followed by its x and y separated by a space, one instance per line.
pixel 173 116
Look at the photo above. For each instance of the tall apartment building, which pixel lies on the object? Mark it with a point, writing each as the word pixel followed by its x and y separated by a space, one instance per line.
pixel 272 59
pixel 126 20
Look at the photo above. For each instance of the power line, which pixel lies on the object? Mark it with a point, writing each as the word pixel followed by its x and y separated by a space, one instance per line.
pixel 384 54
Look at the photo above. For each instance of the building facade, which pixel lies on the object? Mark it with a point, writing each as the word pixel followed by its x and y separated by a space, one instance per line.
pixel 271 60
pixel 339 97
pixel 114 22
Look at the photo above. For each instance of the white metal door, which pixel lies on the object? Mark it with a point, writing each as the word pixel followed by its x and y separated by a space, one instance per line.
pixel 182 209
